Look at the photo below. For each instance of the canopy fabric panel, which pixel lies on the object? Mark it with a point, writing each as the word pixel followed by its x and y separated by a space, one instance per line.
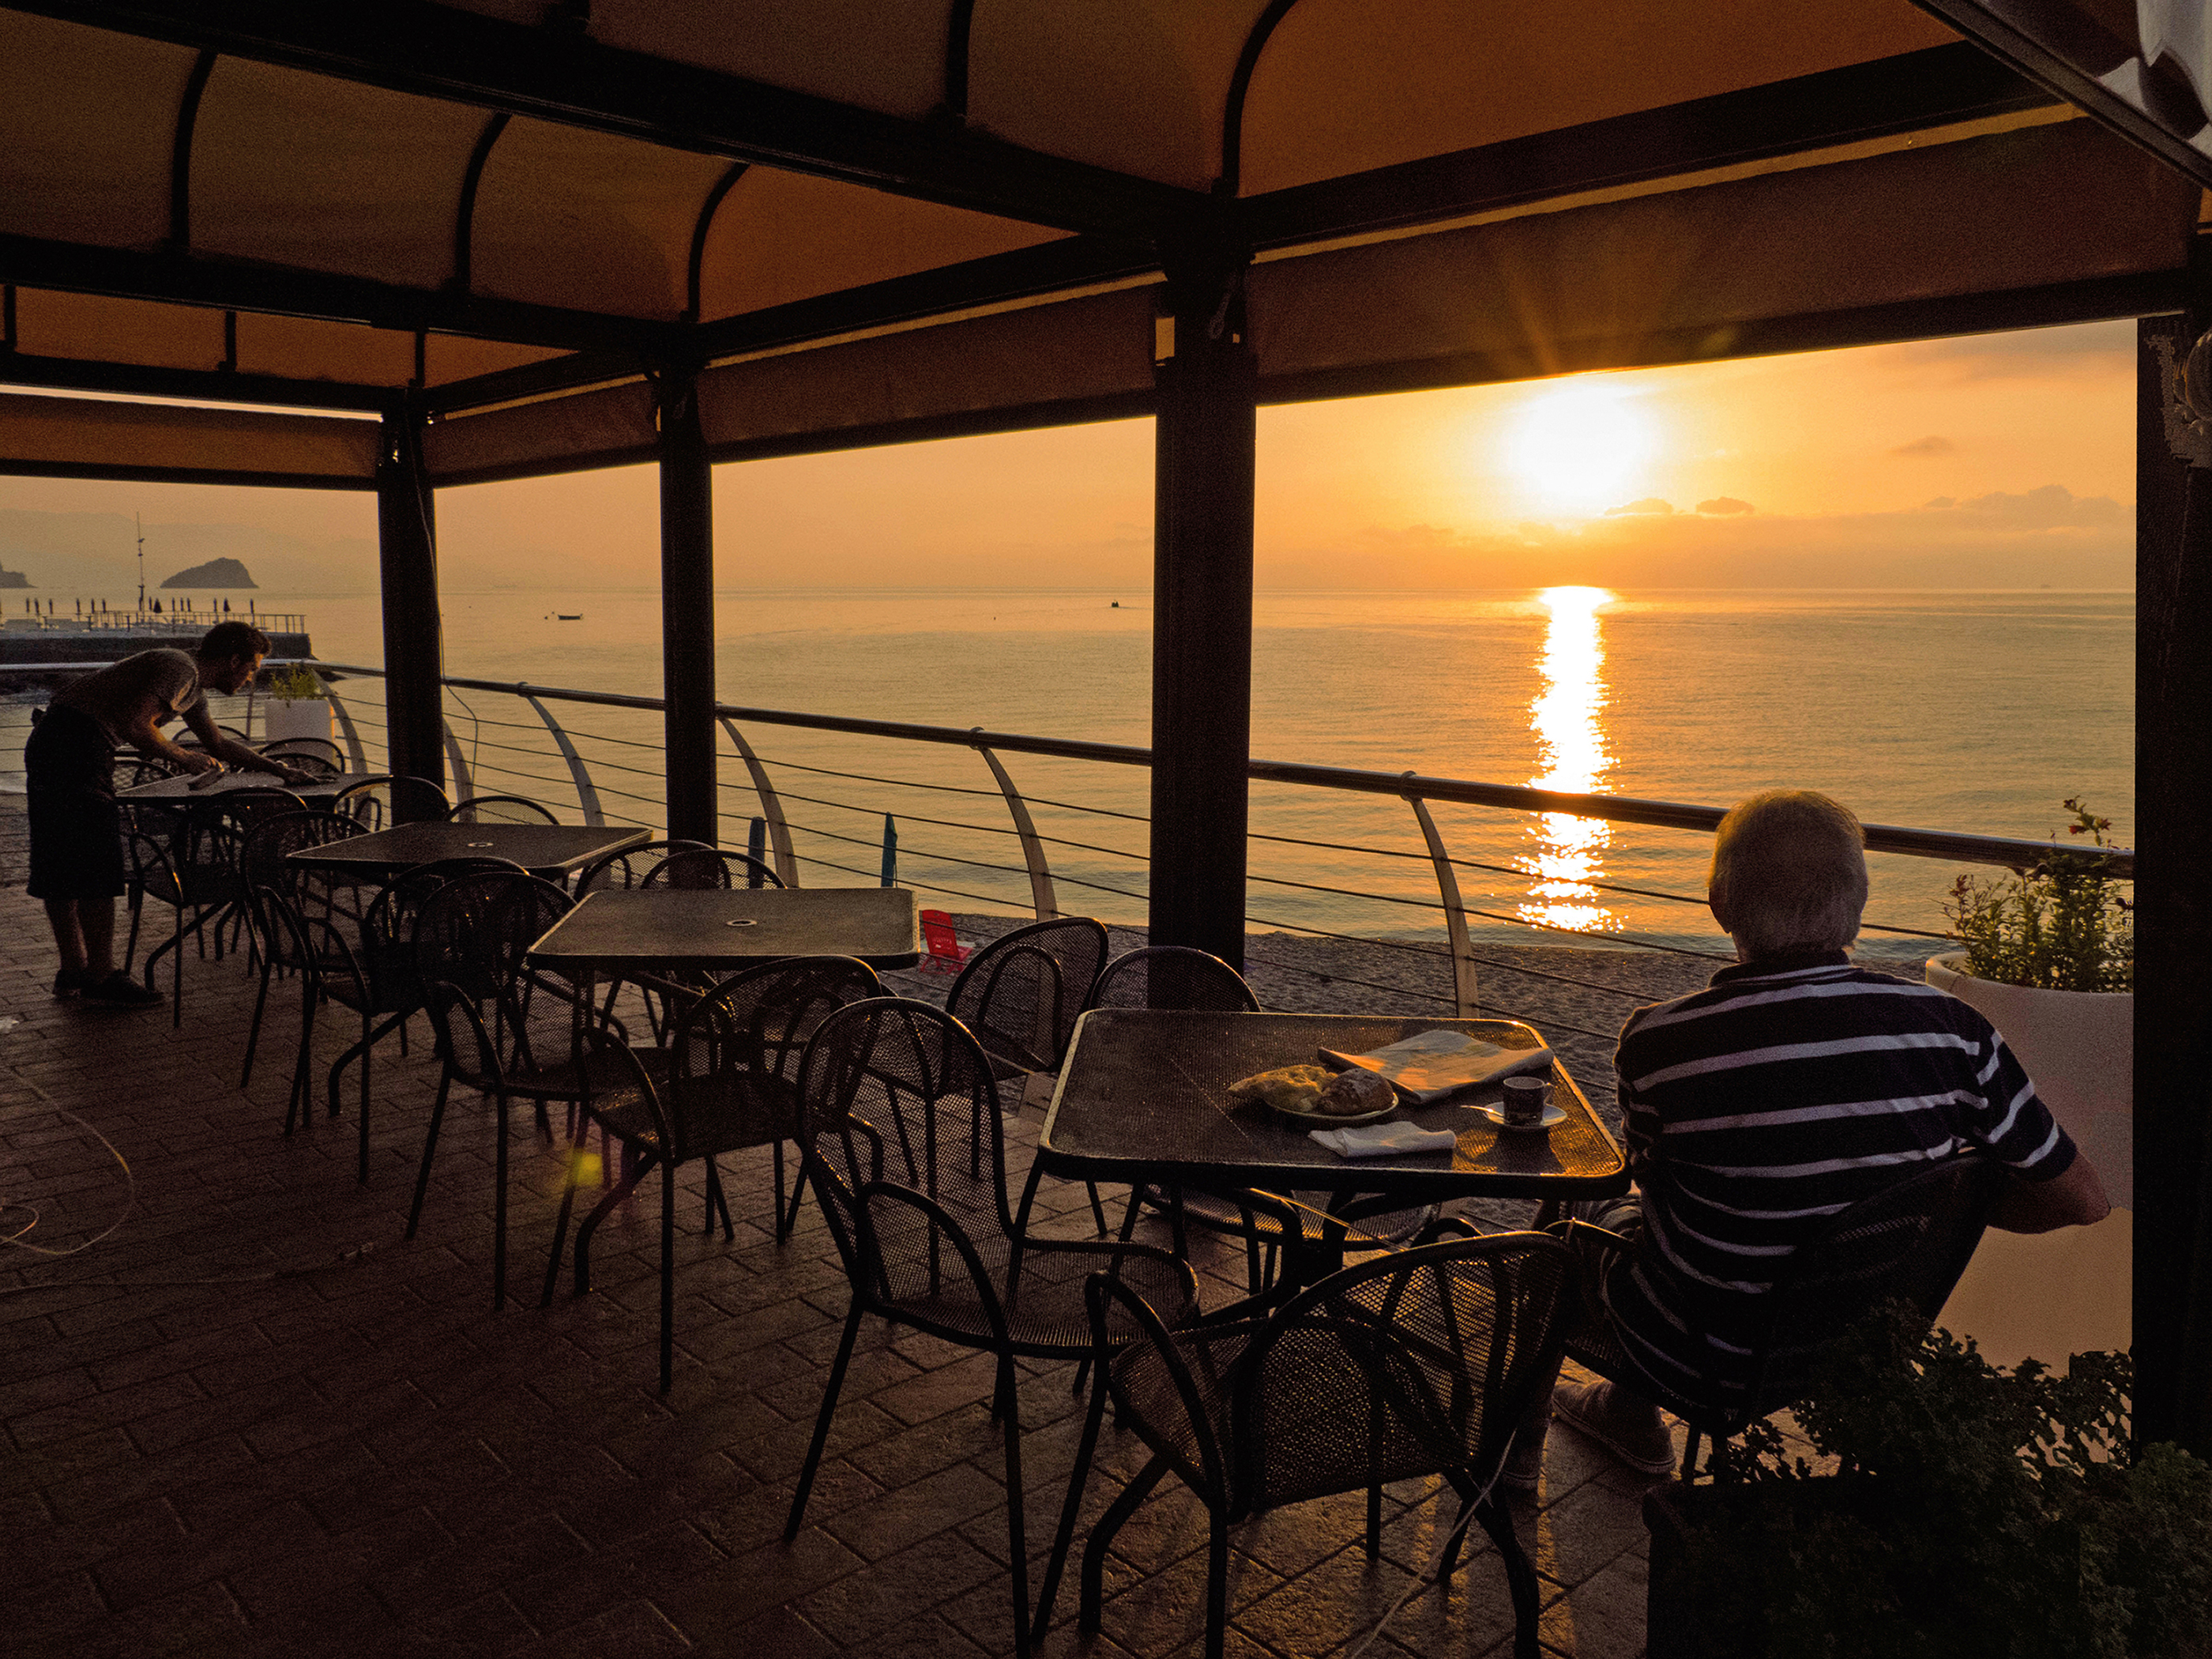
pixel 1676 275
pixel 89 438
pixel 98 328
pixel 611 426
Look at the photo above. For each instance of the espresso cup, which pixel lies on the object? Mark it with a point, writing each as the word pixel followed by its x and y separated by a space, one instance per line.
pixel 1524 1100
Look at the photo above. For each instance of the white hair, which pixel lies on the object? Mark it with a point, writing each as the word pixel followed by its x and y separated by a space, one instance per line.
pixel 1789 873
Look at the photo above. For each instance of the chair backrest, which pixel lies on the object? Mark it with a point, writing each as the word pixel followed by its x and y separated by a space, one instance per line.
pixel 891 1089
pixel 1022 993
pixel 389 798
pixel 317 755
pixel 1420 1362
pixel 702 867
pixel 758 1024
pixel 940 937
pixel 1908 1242
pixel 1172 976
pixel 471 930
pixel 270 841
pixel 501 809
pixel 627 868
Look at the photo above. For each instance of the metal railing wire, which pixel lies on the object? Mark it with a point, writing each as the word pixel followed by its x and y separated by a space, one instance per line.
pixel 505 755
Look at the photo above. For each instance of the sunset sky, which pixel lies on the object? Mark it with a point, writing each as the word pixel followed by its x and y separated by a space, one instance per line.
pixel 2003 461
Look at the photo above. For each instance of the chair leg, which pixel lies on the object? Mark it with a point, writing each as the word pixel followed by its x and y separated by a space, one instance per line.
pixel 822 1420
pixel 1102 1535
pixel 1056 1562
pixel 667 1271
pixel 430 1151
pixel 622 1190
pixel 1017 1545
pixel 1098 1209
pixel 787 1217
pixel 131 944
pixel 1520 1576
pixel 498 1207
pixel 576 1145
pixel 718 1201
pixel 1217 1584
pixel 300 1108
pixel 254 1031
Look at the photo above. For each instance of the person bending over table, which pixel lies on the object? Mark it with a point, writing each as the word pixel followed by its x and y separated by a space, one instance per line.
pixel 1795 1084
pixel 77 834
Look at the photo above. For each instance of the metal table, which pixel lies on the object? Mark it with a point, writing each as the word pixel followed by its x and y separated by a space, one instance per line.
pixel 172 790
pixel 552 850
pixel 1144 1097
pixel 624 931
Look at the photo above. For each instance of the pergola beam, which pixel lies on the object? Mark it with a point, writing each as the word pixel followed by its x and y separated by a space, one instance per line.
pixel 437 51
pixel 288 291
pixel 215 385
pixel 1913 92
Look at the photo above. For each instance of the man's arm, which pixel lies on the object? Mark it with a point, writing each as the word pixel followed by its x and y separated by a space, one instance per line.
pixel 2073 1199
pixel 224 747
pixel 145 738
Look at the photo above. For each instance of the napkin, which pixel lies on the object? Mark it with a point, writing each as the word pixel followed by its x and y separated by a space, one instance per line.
pixel 1430 1065
pixel 1383 1139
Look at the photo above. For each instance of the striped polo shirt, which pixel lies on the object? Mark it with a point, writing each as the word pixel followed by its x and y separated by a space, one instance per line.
pixel 1787 1089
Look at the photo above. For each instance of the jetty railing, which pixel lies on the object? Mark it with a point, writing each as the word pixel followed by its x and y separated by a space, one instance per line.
pixel 1039 848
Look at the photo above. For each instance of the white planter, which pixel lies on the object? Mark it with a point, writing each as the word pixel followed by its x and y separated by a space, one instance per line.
pixel 303 717
pixel 2045 1296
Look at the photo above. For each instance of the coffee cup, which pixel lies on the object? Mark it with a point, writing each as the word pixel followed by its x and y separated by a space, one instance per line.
pixel 1523 1106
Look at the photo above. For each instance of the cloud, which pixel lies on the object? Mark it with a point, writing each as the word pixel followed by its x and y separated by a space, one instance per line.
pixel 2045 353
pixel 2051 508
pixel 1923 448
pixel 1723 505
pixel 1649 504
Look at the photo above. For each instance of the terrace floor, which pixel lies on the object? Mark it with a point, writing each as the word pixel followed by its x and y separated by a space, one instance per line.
pixel 249 1420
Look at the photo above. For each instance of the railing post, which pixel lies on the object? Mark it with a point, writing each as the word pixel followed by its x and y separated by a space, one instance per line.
pixel 1463 963
pixel 355 752
pixel 463 785
pixel 588 794
pixel 1042 897
pixel 787 866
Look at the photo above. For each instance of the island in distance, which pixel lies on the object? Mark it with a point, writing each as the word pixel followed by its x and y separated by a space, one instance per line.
pixel 215 572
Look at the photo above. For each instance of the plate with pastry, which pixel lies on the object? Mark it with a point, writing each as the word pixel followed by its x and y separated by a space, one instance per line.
pixel 1313 1094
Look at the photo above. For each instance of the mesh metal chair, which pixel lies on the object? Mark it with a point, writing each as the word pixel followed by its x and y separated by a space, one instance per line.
pixel 389 798
pixel 267 876
pixel 1909 1242
pixel 699 868
pixel 1421 1363
pixel 733 1062
pixel 318 756
pixel 501 809
pixel 1021 994
pixel 627 868
pixel 185 855
pixel 907 1154
pixel 469 939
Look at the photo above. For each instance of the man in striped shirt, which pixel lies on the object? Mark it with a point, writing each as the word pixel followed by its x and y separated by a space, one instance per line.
pixel 1793 1086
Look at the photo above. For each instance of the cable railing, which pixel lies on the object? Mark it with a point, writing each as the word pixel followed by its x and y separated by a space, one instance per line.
pixel 1420 902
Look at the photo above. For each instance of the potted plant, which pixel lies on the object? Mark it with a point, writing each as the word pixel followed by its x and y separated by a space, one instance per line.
pixel 297 706
pixel 2049 960
pixel 1956 1508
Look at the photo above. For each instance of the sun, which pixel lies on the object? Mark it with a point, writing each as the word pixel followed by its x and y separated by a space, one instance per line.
pixel 1582 445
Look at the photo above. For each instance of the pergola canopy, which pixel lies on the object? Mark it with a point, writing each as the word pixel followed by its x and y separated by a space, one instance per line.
pixel 873 221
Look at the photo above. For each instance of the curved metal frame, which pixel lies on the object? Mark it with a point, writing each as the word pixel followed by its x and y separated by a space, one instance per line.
pixel 588 794
pixel 464 209
pixel 1041 894
pixel 1240 84
pixel 779 832
pixel 1462 951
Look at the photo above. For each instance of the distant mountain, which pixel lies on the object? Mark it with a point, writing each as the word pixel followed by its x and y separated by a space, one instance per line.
pixel 215 572
pixel 13 578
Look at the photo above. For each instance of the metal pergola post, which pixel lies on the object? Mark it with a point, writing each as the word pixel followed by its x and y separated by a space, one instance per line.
pixel 687 606
pixel 414 654
pixel 1202 596
pixel 2173 890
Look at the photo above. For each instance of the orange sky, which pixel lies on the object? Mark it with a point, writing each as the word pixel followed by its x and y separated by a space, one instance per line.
pixel 2026 441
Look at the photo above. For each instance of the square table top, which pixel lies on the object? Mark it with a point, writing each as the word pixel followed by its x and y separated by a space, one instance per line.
pixel 551 850
pixel 1144 1096
pixel 625 930
pixel 179 788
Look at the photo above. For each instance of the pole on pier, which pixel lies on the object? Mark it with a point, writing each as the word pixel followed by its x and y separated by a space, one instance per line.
pixel 2173 885
pixel 687 606
pixel 407 556
pixel 1203 472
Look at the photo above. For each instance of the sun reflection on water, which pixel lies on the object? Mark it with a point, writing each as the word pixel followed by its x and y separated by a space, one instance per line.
pixel 1568 853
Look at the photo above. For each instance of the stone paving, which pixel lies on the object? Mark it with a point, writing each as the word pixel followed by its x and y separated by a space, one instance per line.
pixel 245 1418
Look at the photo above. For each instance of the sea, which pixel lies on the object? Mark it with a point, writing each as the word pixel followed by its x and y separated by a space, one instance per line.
pixel 1979 712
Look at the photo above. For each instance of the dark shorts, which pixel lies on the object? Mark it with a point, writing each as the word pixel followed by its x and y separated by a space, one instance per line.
pixel 77 829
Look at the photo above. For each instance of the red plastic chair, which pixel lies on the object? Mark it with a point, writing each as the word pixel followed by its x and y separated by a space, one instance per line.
pixel 946 952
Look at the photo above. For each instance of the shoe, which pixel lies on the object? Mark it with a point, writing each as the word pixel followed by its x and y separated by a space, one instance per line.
pixel 1524 1465
pixel 124 992
pixel 67 982
pixel 1591 1409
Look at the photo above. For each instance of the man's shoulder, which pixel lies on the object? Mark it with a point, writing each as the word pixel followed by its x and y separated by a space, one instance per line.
pixel 1880 998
